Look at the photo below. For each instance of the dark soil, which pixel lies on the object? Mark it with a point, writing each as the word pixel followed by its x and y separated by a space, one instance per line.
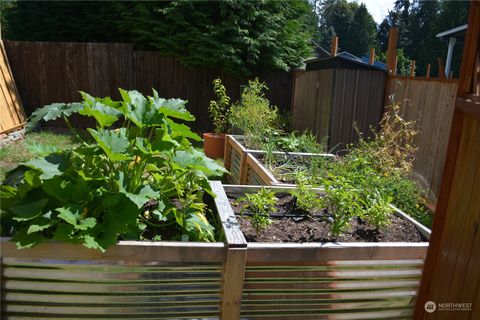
pixel 296 226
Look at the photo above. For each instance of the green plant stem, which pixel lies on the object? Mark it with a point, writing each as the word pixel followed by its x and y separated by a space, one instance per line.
pixel 72 129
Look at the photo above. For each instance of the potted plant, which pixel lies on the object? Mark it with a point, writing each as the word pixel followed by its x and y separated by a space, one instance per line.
pixel 214 143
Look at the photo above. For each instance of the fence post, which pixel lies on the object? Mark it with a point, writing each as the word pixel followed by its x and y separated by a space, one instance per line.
pixel 334 48
pixel 441 69
pixel 371 60
pixel 392 50
pixel 412 68
pixel 427 75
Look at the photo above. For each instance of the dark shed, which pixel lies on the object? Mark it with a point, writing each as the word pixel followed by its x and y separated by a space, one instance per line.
pixel 336 96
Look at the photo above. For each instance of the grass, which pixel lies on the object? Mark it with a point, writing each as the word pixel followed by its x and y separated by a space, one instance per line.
pixel 21 150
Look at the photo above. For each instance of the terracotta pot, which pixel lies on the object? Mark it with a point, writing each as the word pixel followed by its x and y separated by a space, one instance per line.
pixel 214 145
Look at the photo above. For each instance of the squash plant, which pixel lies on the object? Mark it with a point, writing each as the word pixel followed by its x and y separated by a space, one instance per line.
pixel 141 179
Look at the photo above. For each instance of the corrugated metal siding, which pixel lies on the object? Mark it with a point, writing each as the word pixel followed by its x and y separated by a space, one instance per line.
pixel 335 290
pixel 235 166
pixel 65 289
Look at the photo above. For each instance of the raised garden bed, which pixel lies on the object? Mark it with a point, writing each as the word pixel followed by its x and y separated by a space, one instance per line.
pixel 245 168
pixel 133 279
pixel 231 279
pixel 351 280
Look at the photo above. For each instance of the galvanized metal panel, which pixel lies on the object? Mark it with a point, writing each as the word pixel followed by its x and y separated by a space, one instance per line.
pixel 93 289
pixel 335 290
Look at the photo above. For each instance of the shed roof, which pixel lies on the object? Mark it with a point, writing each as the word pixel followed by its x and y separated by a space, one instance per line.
pixel 343 60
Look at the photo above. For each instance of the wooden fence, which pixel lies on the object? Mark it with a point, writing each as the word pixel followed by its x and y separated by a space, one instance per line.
pixel 48 72
pixel 429 101
pixel 12 114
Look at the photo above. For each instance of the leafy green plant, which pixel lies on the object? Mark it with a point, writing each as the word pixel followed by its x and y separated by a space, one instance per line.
pixel 354 193
pixel 307 198
pixel 143 180
pixel 293 142
pixel 219 109
pixel 253 114
pixel 260 205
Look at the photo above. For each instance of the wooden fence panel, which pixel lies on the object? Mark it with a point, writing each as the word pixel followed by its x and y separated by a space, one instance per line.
pixel 12 114
pixel 430 102
pixel 48 72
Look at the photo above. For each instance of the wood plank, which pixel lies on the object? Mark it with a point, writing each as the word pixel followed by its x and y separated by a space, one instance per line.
pixel 141 251
pixel 233 235
pixel 301 253
pixel 266 176
pixel 232 283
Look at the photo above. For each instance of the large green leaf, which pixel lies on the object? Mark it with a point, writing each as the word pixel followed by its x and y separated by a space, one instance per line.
pixel 52 112
pixel 139 110
pixel 105 115
pixel 50 166
pixel 28 211
pixel 72 214
pixel 163 141
pixel 174 108
pixel 179 130
pixel 140 198
pixel 40 224
pixel 194 159
pixel 114 142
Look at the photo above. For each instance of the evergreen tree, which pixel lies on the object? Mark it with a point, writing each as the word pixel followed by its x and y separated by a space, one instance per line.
pixel 352 23
pixel 241 37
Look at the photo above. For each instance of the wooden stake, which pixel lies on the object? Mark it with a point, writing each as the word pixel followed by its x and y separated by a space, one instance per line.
pixel 334 49
pixel 427 75
pixel 441 69
pixel 392 50
pixel 372 56
pixel 412 68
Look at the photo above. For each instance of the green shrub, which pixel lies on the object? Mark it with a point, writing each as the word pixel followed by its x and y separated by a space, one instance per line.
pixel 253 114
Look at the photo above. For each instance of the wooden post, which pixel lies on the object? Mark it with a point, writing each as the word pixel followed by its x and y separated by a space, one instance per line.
pixel 334 48
pixel 372 56
pixel 243 168
pixel 392 50
pixel 451 271
pixel 412 68
pixel 234 267
pixel 441 68
pixel 427 75
pixel 227 154
pixel 233 276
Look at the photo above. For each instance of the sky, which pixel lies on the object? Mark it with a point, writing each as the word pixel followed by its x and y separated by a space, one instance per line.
pixel 377 8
